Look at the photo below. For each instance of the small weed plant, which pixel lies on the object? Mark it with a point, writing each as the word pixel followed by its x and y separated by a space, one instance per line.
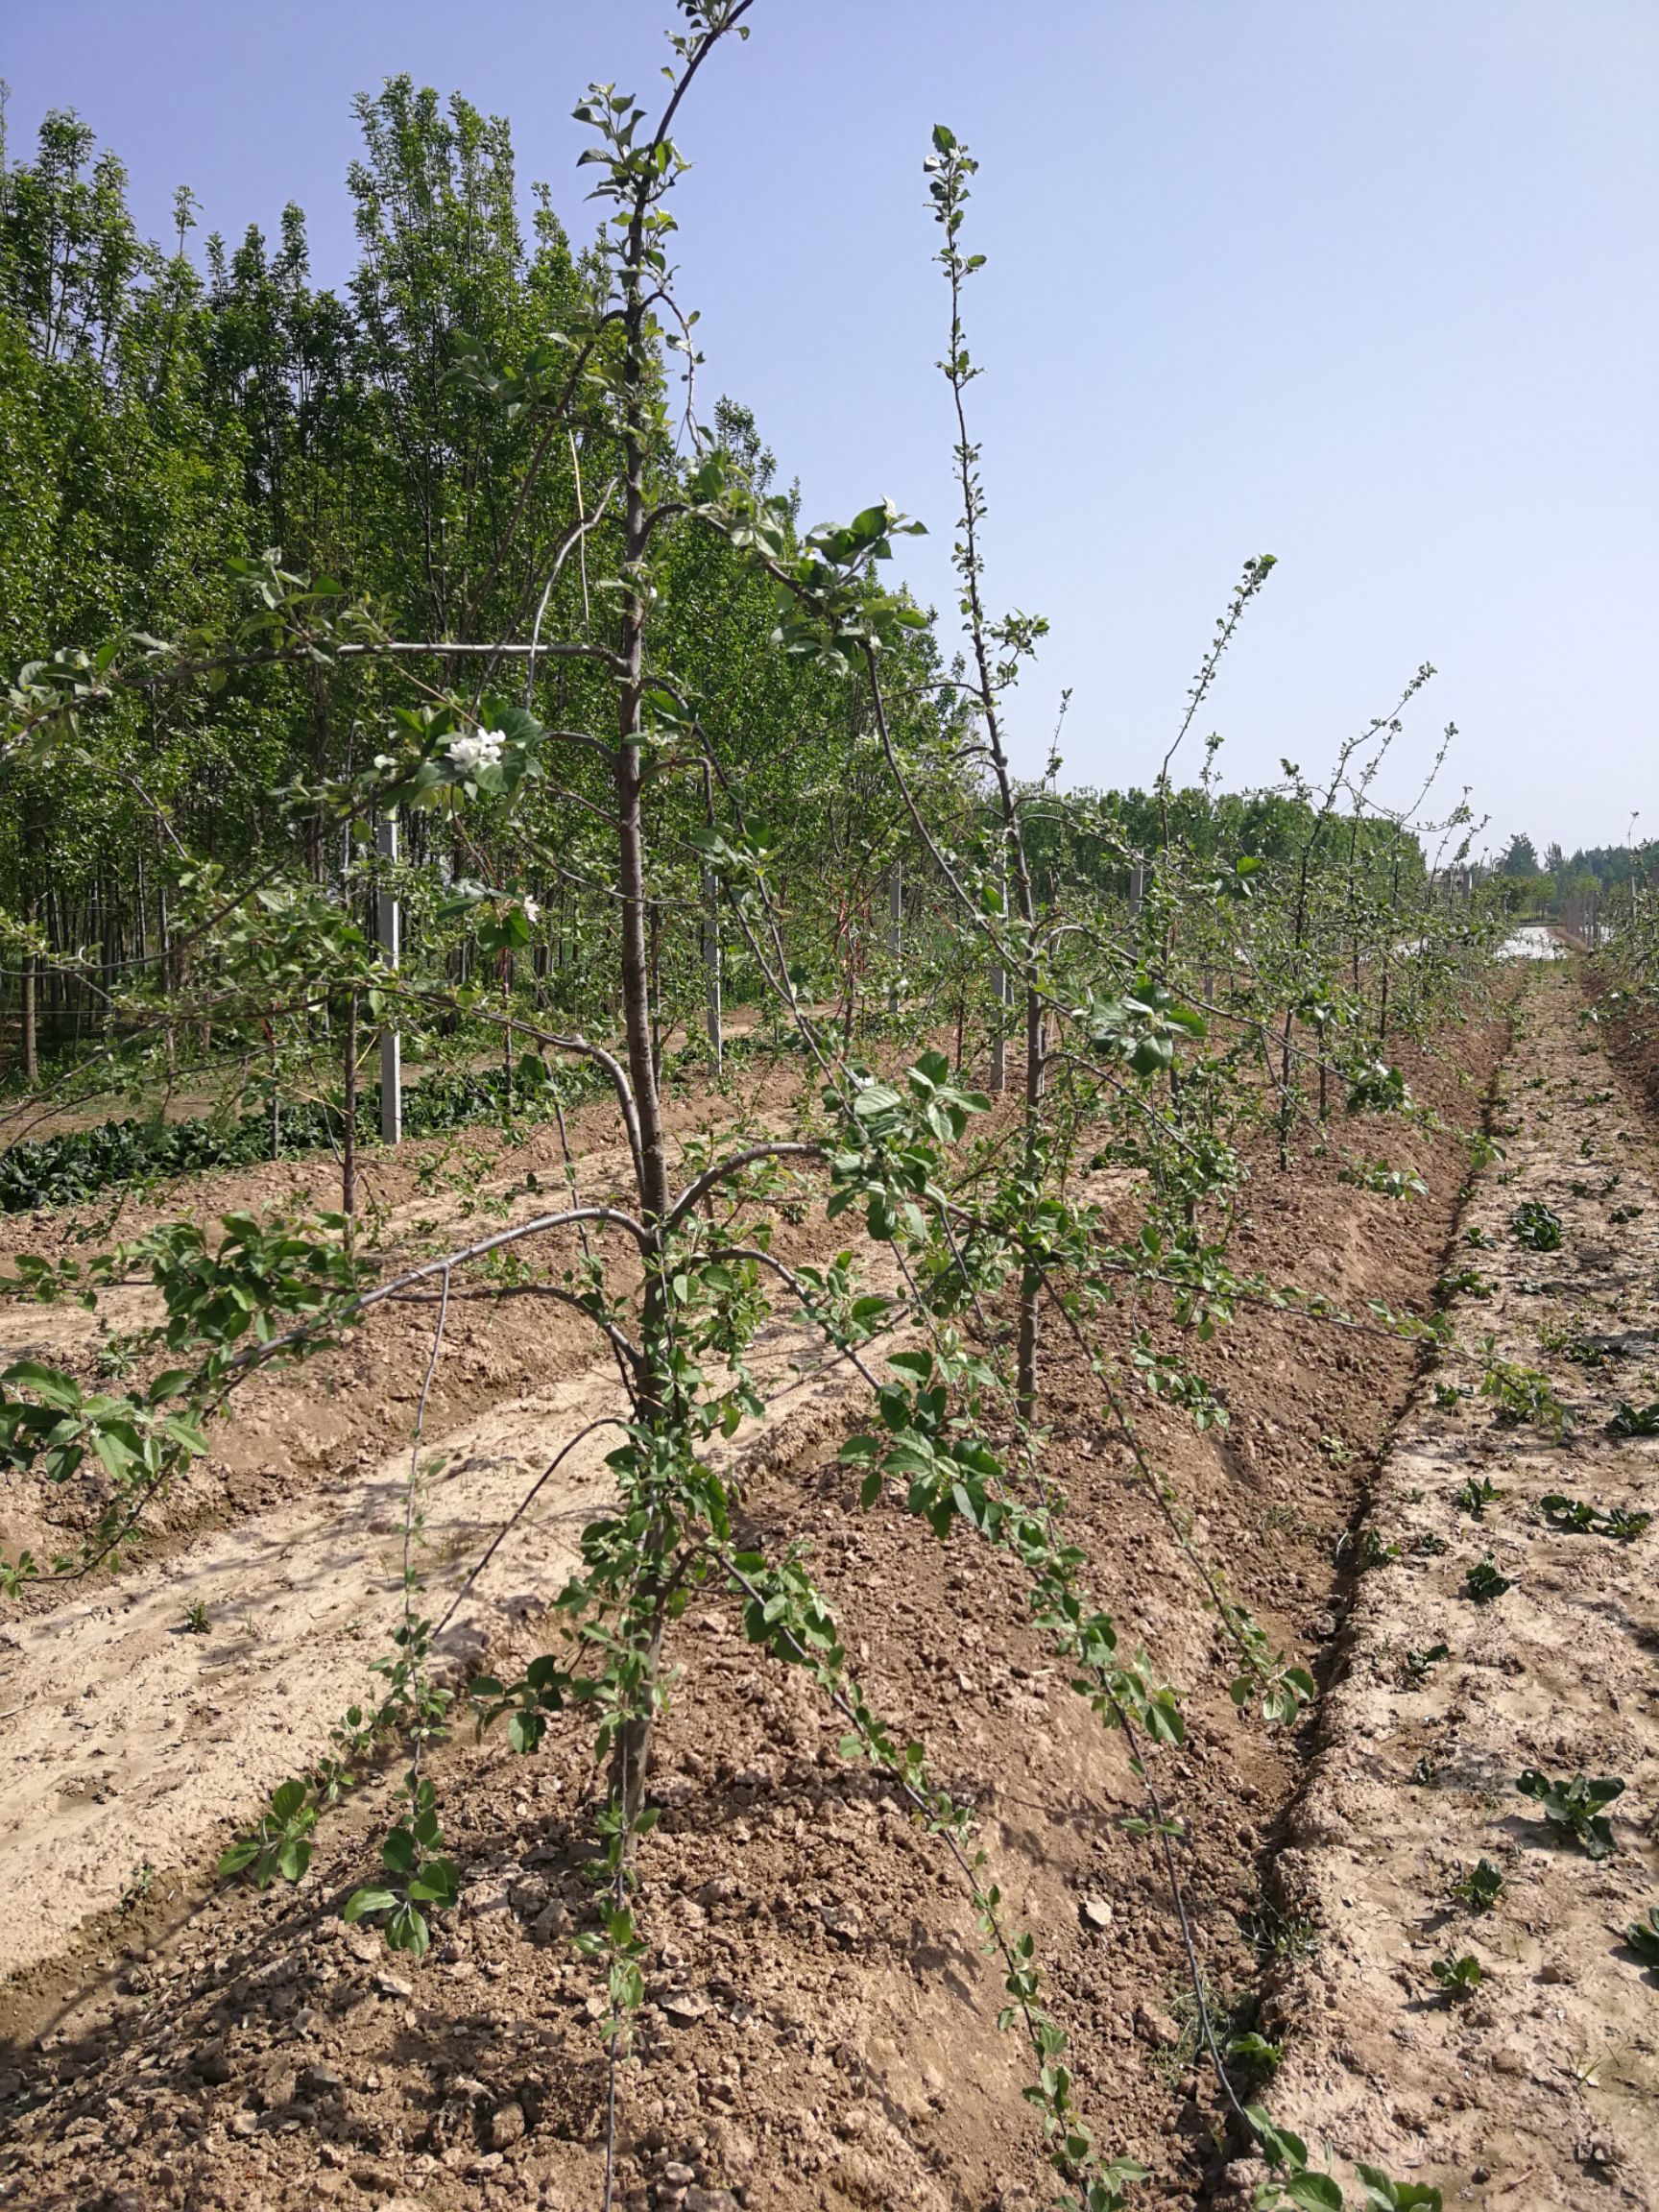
pixel 1643 1936
pixel 1483 1584
pixel 1575 1516
pixel 1577 1811
pixel 1480 1888
pixel 1535 1226
pixel 1476 1495
pixel 1459 1977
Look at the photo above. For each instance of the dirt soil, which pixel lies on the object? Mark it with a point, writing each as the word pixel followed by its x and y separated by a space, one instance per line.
pixel 820 2028
pixel 1542 2088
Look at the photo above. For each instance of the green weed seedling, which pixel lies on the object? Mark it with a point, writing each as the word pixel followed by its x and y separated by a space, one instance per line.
pixel 1475 1496
pixel 1484 1583
pixel 1447 1396
pixel 1573 1516
pixel 1419 1663
pixel 1635 1420
pixel 195 1623
pixel 1643 1938
pixel 1463 1283
pixel 1383 2194
pixel 1535 1226
pixel 1575 1342
pixel 1458 1978
pixel 1480 1888
pixel 1569 1514
pixel 139 1884
pixel 1575 1809
pixel 1274 1936
pixel 1387 1182
pixel 1623 1526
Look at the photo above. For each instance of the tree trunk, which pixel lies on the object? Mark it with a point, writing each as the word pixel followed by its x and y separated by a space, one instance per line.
pixel 632 1759
pixel 30 1023
pixel 388 932
pixel 711 969
pixel 895 929
pixel 348 1133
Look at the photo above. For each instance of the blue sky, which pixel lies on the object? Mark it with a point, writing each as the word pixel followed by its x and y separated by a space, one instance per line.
pixel 1369 284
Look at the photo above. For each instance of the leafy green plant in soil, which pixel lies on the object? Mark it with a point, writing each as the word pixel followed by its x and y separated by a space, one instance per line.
pixel 1459 1977
pixel 1373 1552
pixel 1485 1585
pixel 1535 1226
pixel 1474 1496
pixel 1480 1888
pixel 1463 1283
pixel 1387 1182
pixel 1575 1809
pixel 279 1841
pixel 1573 1516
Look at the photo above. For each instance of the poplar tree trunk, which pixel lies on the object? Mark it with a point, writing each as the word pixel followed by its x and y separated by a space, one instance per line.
pixel 349 1133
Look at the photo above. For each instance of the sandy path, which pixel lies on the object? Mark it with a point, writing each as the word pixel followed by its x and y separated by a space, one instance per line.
pixel 1543 2090
pixel 125 1738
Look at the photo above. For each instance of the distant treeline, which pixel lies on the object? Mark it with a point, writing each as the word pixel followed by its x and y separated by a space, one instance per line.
pixel 1569 884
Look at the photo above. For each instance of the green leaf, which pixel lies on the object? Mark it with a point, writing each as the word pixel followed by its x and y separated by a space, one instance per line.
pixel 397 1851
pixel 407 1931
pixel 1314 2192
pixel 369 1900
pixel 48 1383
pixel 293 1858
pixel 525 1731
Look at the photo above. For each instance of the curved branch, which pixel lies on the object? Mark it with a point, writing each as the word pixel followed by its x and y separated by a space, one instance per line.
pixel 721 1169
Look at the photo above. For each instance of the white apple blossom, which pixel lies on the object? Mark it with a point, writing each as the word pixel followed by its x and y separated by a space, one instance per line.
pixel 483 751
pixel 531 910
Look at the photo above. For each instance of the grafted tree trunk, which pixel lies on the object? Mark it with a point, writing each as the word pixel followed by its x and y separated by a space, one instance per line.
pixel 29 1018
